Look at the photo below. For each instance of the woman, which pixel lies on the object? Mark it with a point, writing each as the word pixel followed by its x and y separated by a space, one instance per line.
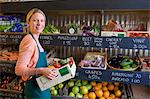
pixel 32 58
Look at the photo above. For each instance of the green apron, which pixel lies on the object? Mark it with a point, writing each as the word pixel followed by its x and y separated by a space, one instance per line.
pixel 32 90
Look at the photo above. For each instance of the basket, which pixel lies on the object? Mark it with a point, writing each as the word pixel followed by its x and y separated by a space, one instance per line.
pixel 131 69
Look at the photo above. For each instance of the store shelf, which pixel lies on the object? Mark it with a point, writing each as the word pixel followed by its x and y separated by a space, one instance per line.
pixel 10 94
pixel 82 41
pixel 129 77
pixel 23 7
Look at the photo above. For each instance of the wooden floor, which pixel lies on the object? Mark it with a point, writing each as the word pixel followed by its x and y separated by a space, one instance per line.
pixel 141 92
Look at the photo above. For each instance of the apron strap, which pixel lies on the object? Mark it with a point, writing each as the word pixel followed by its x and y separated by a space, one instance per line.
pixel 35 41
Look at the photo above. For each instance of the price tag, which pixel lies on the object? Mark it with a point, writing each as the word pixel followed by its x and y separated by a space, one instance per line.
pixel 3 38
pixel 139 43
pixel 112 42
pixel 87 41
pixel 135 77
pixel 98 41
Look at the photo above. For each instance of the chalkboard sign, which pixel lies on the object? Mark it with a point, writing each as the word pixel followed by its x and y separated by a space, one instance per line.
pixel 14 38
pixel 7 66
pixel 135 77
pixel 82 41
pixel 99 42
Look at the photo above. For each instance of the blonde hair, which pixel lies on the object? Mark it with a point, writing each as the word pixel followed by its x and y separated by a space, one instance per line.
pixel 33 11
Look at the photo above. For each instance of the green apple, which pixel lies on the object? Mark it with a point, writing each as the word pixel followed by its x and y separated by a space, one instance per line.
pixel 75 89
pixel 71 83
pixel 83 90
pixel 88 86
pixel 60 85
pixel 52 88
pixel 78 95
pixel 78 83
pixel 84 82
pixel 54 92
pixel 71 94
pixel 73 80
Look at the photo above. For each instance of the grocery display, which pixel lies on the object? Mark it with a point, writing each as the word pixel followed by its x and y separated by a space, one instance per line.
pixel 90 89
pixel 103 43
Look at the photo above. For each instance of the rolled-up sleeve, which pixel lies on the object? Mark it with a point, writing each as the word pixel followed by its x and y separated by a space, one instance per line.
pixel 26 53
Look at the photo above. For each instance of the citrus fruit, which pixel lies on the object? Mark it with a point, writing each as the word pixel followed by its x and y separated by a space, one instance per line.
pixel 92 95
pixel 110 87
pixel 116 88
pixel 106 94
pixel 118 93
pixel 99 85
pixel 93 83
pixel 104 88
pixel 102 98
pixel 104 83
pixel 96 87
pixel 112 96
pixel 109 98
pixel 86 96
pixel 116 83
pixel 99 93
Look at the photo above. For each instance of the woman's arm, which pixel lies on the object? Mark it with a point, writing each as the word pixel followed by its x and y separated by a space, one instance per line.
pixel 28 56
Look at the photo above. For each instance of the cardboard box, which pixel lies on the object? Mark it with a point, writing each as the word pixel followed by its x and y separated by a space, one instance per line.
pixel 64 73
pixel 113 33
pixel 94 60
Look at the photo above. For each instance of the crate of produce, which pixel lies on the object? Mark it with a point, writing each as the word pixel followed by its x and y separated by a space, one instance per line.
pixel 143 34
pixel 113 33
pixel 83 89
pixel 64 73
pixel 94 60
pixel 124 63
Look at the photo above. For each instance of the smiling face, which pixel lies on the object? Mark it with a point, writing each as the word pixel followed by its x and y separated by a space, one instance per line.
pixel 36 23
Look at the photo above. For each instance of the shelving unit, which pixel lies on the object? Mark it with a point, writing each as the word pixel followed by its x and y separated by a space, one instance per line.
pixel 66 44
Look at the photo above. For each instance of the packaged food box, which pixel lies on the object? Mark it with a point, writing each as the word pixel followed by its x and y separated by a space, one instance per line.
pixel 64 73
pixel 143 34
pixel 94 60
pixel 113 33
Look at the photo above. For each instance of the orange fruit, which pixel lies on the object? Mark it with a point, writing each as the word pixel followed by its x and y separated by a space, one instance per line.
pixel 106 94
pixel 112 96
pixel 110 83
pixel 104 83
pixel 116 88
pixel 86 96
pixel 110 87
pixel 117 98
pixel 92 95
pixel 116 83
pixel 99 85
pixel 93 83
pixel 99 93
pixel 104 88
pixel 118 93
pixel 109 98
pixel 102 98
pixel 96 88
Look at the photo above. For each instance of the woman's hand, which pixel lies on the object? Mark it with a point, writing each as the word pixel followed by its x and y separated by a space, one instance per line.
pixel 49 73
